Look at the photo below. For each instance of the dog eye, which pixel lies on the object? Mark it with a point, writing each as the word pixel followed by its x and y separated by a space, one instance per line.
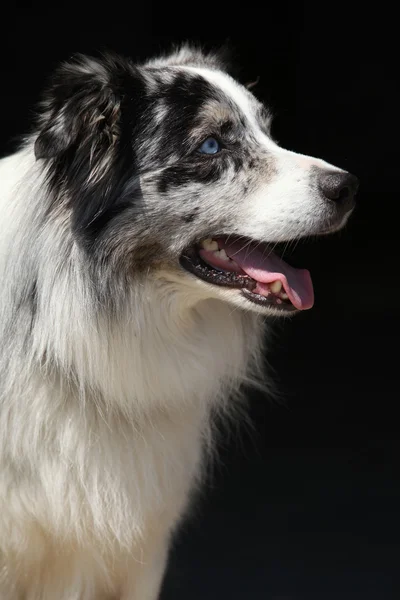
pixel 210 146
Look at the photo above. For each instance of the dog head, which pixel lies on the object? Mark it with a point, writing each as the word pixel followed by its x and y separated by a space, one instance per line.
pixel 169 168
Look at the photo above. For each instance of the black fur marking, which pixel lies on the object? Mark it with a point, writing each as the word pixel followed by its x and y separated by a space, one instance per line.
pixel 33 302
pixel 227 128
pixel 28 303
pixel 184 100
pixel 237 162
pixel 206 170
pixel 99 222
pixel 188 93
pixel 191 216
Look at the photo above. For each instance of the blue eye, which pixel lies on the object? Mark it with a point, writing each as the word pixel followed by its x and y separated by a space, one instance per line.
pixel 210 146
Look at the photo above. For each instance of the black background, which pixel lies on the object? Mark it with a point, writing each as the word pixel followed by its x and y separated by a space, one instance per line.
pixel 306 505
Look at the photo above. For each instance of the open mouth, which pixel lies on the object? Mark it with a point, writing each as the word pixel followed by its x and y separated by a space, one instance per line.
pixel 253 267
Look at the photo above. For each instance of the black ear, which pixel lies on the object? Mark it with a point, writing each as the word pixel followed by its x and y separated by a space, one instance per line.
pixel 89 115
pixel 82 105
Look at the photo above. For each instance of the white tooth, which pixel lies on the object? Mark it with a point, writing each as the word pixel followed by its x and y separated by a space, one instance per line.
pixel 222 254
pixel 210 245
pixel 284 296
pixel 275 287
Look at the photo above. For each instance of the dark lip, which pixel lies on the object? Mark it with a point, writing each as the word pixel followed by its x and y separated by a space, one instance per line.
pixel 192 263
pixel 262 301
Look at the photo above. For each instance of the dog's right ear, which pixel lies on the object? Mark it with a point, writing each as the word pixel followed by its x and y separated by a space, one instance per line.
pixel 89 119
pixel 82 106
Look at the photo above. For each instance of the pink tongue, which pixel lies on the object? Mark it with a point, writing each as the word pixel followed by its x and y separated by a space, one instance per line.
pixel 265 268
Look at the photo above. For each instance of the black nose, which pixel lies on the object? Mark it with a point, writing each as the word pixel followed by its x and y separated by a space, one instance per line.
pixel 339 187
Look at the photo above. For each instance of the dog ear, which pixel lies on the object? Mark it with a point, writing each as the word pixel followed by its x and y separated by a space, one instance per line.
pixel 82 106
pixel 89 115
